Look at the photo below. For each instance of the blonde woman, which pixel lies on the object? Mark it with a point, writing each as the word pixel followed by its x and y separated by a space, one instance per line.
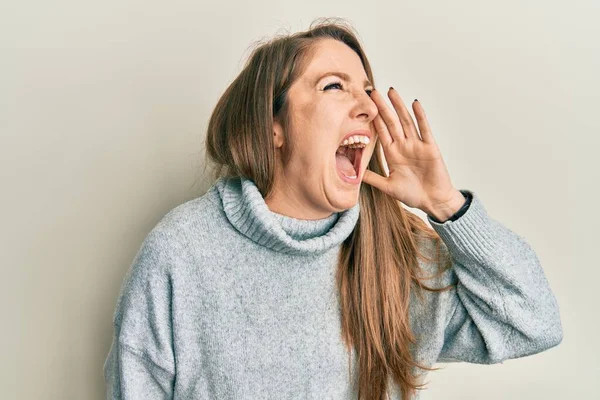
pixel 299 274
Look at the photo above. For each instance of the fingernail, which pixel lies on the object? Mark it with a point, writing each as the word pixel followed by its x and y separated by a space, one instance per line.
pixel 391 88
pixel 416 100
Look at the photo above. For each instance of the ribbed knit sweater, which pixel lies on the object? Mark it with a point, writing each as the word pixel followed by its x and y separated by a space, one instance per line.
pixel 226 299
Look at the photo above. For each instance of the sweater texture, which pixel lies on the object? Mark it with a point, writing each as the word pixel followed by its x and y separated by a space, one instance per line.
pixel 226 299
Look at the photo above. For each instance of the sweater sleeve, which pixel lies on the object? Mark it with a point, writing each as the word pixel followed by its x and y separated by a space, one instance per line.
pixel 502 306
pixel 140 363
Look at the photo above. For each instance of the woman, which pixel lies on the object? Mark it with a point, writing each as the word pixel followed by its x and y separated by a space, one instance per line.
pixel 299 274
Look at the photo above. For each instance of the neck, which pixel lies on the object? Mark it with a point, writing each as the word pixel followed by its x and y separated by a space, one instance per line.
pixel 290 201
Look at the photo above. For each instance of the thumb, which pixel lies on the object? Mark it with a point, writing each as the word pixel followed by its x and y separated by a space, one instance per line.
pixel 376 180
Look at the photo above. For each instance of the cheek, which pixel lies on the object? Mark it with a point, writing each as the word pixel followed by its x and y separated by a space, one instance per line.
pixel 314 156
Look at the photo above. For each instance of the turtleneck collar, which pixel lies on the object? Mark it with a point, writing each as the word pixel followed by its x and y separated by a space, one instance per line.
pixel 247 211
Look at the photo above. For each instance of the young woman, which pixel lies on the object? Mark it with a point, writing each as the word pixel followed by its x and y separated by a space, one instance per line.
pixel 299 274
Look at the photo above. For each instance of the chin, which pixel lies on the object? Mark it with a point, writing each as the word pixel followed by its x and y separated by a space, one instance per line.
pixel 347 199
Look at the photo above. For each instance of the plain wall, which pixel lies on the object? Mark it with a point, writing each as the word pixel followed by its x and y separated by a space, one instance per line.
pixel 103 113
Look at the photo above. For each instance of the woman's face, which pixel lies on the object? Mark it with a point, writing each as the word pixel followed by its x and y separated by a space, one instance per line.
pixel 324 108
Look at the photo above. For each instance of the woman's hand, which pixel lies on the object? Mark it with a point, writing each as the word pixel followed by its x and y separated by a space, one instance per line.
pixel 418 176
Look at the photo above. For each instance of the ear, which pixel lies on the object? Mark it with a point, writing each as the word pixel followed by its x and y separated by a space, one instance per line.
pixel 278 138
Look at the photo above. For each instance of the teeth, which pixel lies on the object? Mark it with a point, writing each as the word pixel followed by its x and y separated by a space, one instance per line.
pixel 356 141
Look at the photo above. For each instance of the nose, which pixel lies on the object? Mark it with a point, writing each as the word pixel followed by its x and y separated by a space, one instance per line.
pixel 365 106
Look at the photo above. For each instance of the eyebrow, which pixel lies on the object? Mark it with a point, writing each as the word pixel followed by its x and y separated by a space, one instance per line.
pixel 342 75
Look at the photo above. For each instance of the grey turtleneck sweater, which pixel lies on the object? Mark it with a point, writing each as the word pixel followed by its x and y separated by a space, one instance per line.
pixel 226 299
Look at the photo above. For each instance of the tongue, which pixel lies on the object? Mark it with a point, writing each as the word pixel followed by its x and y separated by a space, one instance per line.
pixel 344 165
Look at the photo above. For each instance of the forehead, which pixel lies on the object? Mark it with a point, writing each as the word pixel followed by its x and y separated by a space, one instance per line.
pixel 331 55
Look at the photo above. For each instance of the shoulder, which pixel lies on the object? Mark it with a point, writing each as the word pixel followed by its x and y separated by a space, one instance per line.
pixel 170 247
pixel 179 230
pixel 194 214
pixel 189 221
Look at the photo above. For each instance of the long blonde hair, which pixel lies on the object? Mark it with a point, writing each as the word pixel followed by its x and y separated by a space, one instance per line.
pixel 374 286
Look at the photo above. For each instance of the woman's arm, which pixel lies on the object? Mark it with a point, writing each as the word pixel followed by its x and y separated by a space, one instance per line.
pixel 502 306
pixel 140 364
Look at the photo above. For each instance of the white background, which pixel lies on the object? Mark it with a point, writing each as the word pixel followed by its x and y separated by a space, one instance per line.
pixel 103 111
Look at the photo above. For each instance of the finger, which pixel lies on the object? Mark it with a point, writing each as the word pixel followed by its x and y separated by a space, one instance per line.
pixel 389 117
pixel 408 125
pixel 376 180
pixel 382 131
pixel 424 128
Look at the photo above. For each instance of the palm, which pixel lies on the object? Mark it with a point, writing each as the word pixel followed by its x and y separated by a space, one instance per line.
pixel 418 176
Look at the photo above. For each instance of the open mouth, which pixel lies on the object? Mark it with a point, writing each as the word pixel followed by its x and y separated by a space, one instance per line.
pixel 348 160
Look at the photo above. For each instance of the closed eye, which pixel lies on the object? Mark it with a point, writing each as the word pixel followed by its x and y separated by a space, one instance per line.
pixel 341 86
pixel 333 84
